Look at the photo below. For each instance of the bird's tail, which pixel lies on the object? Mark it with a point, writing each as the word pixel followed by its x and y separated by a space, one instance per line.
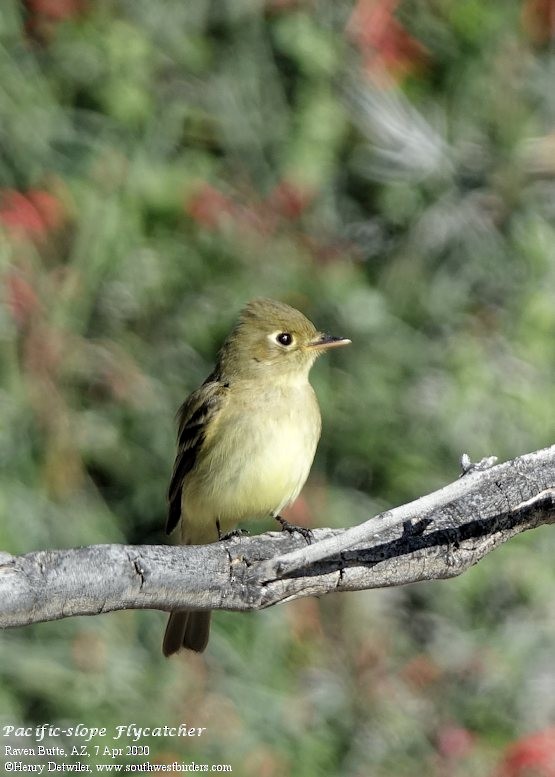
pixel 186 628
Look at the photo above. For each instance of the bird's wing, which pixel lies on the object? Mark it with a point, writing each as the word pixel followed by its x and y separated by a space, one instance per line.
pixel 195 415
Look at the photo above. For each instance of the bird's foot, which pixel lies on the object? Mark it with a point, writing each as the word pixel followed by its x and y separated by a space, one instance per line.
pixel 235 533
pixel 230 534
pixel 291 528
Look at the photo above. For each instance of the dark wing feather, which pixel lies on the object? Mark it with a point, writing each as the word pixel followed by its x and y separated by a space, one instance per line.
pixel 194 415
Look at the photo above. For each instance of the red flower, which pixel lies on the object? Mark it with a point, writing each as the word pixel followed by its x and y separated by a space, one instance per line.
pixel 454 741
pixel 538 18
pixel 290 199
pixel 55 10
pixel 208 206
pixel 250 215
pixel 21 298
pixel 382 40
pixel 34 214
pixel 532 755
pixel 43 16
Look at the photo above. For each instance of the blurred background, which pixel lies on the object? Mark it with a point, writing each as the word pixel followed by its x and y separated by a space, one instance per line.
pixel 387 166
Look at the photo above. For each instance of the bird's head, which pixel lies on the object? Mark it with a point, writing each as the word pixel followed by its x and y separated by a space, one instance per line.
pixel 273 338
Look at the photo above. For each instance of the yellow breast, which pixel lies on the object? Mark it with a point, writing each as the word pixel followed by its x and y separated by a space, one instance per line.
pixel 255 464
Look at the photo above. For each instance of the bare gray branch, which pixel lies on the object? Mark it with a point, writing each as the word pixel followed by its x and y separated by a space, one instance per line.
pixel 437 536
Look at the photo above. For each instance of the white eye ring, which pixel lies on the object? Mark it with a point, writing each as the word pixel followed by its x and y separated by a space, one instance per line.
pixel 285 339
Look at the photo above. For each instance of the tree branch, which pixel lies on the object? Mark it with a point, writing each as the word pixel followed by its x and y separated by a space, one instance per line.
pixel 437 536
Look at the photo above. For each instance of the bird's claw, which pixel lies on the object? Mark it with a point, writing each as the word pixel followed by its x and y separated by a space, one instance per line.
pixel 291 528
pixel 230 534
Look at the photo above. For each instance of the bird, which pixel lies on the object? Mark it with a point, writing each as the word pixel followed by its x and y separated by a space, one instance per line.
pixel 246 439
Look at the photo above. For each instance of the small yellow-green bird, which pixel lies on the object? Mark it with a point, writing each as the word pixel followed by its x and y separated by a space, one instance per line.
pixel 246 438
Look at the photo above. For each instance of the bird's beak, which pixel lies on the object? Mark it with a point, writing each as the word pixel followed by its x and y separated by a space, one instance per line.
pixel 327 341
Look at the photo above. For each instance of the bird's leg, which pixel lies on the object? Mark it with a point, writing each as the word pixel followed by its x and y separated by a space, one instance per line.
pixel 291 528
pixel 230 534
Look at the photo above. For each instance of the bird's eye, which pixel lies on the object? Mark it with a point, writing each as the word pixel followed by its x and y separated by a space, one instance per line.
pixel 284 338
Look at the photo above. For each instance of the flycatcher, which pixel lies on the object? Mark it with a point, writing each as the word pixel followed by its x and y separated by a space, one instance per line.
pixel 246 438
